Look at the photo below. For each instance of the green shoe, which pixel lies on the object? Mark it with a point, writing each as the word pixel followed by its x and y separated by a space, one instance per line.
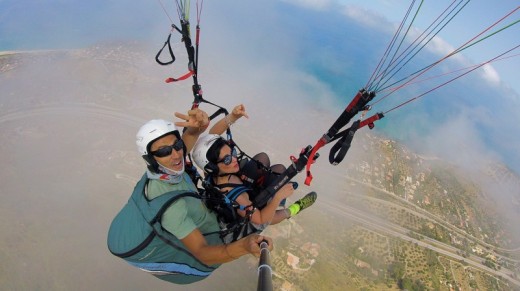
pixel 303 203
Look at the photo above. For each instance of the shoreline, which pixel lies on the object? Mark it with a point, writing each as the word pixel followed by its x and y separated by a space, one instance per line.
pixel 5 53
pixel 14 52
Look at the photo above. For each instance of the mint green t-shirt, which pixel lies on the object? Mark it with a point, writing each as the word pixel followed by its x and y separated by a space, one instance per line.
pixel 185 214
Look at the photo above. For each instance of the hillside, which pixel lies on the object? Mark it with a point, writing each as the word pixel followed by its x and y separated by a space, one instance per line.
pixel 408 221
pixel 386 218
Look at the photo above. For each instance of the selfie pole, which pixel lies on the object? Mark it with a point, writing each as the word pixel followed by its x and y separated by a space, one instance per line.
pixel 265 280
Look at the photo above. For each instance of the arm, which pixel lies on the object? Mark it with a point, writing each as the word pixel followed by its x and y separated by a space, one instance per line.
pixel 268 214
pixel 196 122
pixel 223 124
pixel 210 255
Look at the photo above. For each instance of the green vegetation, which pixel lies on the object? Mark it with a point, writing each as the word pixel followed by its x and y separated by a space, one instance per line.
pixel 429 199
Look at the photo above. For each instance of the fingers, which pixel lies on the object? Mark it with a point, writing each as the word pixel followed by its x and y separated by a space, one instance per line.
pixel 269 242
pixel 240 110
pixel 290 190
pixel 258 238
pixel 254 244
pixel 286 191
pixel 181 116
pixel 254 241
pixel 288 186
pixel 184 117
pixel 195 118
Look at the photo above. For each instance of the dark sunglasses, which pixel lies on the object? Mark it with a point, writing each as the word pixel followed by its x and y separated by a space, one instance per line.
pixel 229 158
pixel 167 150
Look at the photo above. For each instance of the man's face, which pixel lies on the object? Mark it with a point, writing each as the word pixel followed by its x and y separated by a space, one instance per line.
pixel 173 161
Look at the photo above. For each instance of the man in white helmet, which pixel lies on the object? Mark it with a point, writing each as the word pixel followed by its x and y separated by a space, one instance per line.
pixel 165 228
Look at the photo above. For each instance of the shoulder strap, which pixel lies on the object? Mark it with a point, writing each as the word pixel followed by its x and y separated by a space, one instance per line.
pixel 153 209
pixel 176 196
pixel 232 195
pixel 230 185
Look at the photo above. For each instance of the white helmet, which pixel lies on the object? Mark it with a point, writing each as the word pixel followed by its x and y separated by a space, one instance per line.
pixel 201 148
pixel 151 131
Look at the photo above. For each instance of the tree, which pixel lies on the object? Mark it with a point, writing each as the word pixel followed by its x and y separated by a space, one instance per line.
pixel 408 284
pixel 396 270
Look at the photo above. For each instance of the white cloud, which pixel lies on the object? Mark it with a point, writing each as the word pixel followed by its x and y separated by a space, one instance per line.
pixel 458 141
pixel 440 46
pixel 367 17
pixel 490 74
pixel 312 4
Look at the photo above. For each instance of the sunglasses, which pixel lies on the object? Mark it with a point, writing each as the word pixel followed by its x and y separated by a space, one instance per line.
pixel 229 158
pixel 167 150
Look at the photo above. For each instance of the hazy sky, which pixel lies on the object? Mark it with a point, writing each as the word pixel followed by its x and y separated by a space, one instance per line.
pixel 254 40
pixel 258 39
pixel 72 23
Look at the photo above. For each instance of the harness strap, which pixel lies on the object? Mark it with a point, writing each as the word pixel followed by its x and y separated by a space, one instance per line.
pixel 232 195
pixel 370 121
pixel 230 185
pixel 339 150
pixel 166 43
pixel 183 77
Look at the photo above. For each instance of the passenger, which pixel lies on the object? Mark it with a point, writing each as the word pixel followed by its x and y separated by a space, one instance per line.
pixel 218 159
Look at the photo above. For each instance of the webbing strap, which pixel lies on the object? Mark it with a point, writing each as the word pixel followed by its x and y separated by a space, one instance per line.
pixel 339 150
pixel 232 195
pixel 166 43
pixel 183 77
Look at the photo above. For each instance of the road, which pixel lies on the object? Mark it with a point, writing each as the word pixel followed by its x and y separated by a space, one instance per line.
pixel 434 219
pixel 423 213
pixel 384 226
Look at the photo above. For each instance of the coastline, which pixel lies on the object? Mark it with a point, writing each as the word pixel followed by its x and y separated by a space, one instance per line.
pixel 5 53
pixel 11 52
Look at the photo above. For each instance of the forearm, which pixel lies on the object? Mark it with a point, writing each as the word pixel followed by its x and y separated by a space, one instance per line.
pixel 190 136
pixel 222 125
pixel 195 123
pixel 266 214
pixel 220 254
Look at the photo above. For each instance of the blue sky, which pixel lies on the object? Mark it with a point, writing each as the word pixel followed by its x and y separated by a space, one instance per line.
pixel 296 46
pixel 481 110
pixel 475 17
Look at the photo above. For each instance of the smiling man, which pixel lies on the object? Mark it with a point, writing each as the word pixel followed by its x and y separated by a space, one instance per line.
pixel 165 228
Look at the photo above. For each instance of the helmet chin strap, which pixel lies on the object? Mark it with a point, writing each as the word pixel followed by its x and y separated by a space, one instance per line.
pixel 169 171
pixel 167 175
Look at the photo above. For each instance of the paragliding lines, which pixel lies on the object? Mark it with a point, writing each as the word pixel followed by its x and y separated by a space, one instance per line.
pixel 410 78
pixel 394 59
pixel 454 71
pixel 461 75
pixel 415 47
pixel 183 11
